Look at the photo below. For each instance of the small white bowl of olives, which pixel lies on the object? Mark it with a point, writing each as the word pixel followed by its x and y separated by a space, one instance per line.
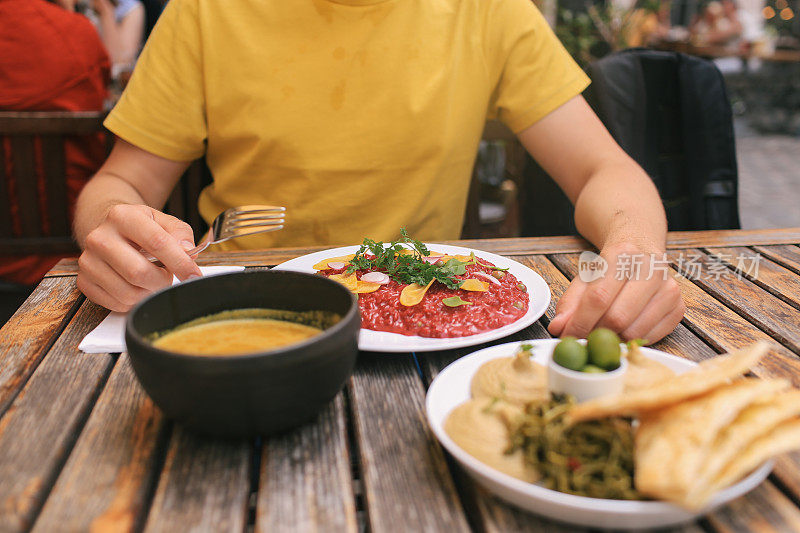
pixel 587 368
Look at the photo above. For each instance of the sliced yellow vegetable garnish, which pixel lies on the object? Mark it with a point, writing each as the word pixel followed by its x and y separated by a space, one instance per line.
pixel 348 280
pixel 474 285
pixel 363 287
pixel 413 294
pixel 322 265
pixel 464 258
pixel 406 251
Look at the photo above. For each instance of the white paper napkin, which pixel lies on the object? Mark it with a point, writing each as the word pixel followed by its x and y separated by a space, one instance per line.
pixel 109 335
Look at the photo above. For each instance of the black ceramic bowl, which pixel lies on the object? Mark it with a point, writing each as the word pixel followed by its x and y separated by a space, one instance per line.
pixel 250 394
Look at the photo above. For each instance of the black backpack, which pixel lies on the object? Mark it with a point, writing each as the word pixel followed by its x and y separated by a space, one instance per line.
pixel 670 112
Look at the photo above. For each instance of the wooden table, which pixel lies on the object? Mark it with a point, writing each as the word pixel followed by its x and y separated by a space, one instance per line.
pixel 82 447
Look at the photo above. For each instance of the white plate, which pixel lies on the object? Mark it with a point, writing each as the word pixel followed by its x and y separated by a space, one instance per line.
pixel 452 387
pixel 382 341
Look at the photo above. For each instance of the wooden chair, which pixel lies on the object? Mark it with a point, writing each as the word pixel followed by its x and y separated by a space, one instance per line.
pixel 51 128
pixel 23 129
pixel 182 203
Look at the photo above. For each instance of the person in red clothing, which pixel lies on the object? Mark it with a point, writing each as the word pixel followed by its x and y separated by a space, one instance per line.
pixel 51 59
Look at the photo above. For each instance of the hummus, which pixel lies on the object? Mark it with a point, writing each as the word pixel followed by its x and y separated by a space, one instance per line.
pixel 517 380
pixel 482 427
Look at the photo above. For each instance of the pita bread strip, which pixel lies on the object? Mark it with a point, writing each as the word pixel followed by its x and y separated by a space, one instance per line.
pixel 706 376
pixel 784 438
pixel 673 443
pixel 756 421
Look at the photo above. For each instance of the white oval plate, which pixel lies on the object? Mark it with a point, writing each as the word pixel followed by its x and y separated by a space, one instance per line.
pixel 382 341
pixel 452 387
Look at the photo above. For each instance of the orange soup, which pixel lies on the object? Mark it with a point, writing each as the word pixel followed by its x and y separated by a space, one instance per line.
pixel 232 336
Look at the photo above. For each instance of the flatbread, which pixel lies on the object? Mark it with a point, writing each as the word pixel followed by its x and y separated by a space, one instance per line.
pixel 752 423
pixel 784 438
pixel 643 372
pixel 672 444
pixel 482 427
pixel 706 376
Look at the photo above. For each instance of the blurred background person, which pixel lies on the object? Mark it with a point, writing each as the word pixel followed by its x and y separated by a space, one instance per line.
pixel 717 24
pixel 121 24
pixel 51 59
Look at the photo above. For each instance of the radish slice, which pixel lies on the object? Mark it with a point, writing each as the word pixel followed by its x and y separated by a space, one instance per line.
pixel 336 265
pixel 432 259
pixel 376 277
pixel 487 277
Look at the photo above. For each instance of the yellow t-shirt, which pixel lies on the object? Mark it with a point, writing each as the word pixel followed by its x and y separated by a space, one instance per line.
pixel 360 116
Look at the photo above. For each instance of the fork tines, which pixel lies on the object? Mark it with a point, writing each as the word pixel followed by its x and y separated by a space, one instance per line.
pixel 248 217
pixel 243 220
pixel 256 209
pixel 237 225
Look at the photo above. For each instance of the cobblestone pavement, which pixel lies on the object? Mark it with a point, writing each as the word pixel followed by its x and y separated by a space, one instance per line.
pixel 769 181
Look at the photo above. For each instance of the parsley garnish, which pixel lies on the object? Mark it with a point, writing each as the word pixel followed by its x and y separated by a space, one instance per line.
pixel 406 268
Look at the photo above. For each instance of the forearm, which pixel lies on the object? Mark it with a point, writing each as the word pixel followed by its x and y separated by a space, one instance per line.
pixel 619 204
pixel 619 210
pixel 103 191
pixel 110 34
pixel 130 175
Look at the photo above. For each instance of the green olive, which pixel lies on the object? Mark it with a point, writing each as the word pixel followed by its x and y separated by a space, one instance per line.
pixel 517 305
pixel 499 274
pixel 603 346
pixel 591 369
pixel 522 287
pixel 571 354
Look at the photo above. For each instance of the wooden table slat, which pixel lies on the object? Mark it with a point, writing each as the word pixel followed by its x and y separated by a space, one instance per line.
pixel 764 508
pixel 776 317
pixel 28 334
pixel 555 279
pixel 786 255
pixel 406 479
pixel 39 429
pixel 772 277
pixel 204 485
pixel 787 471
pixel 306 482
pixel 105 484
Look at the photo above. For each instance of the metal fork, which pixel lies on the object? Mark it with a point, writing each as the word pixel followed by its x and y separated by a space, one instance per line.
pixel 237 222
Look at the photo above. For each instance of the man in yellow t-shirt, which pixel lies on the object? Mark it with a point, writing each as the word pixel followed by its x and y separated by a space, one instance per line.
pixel 361 117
